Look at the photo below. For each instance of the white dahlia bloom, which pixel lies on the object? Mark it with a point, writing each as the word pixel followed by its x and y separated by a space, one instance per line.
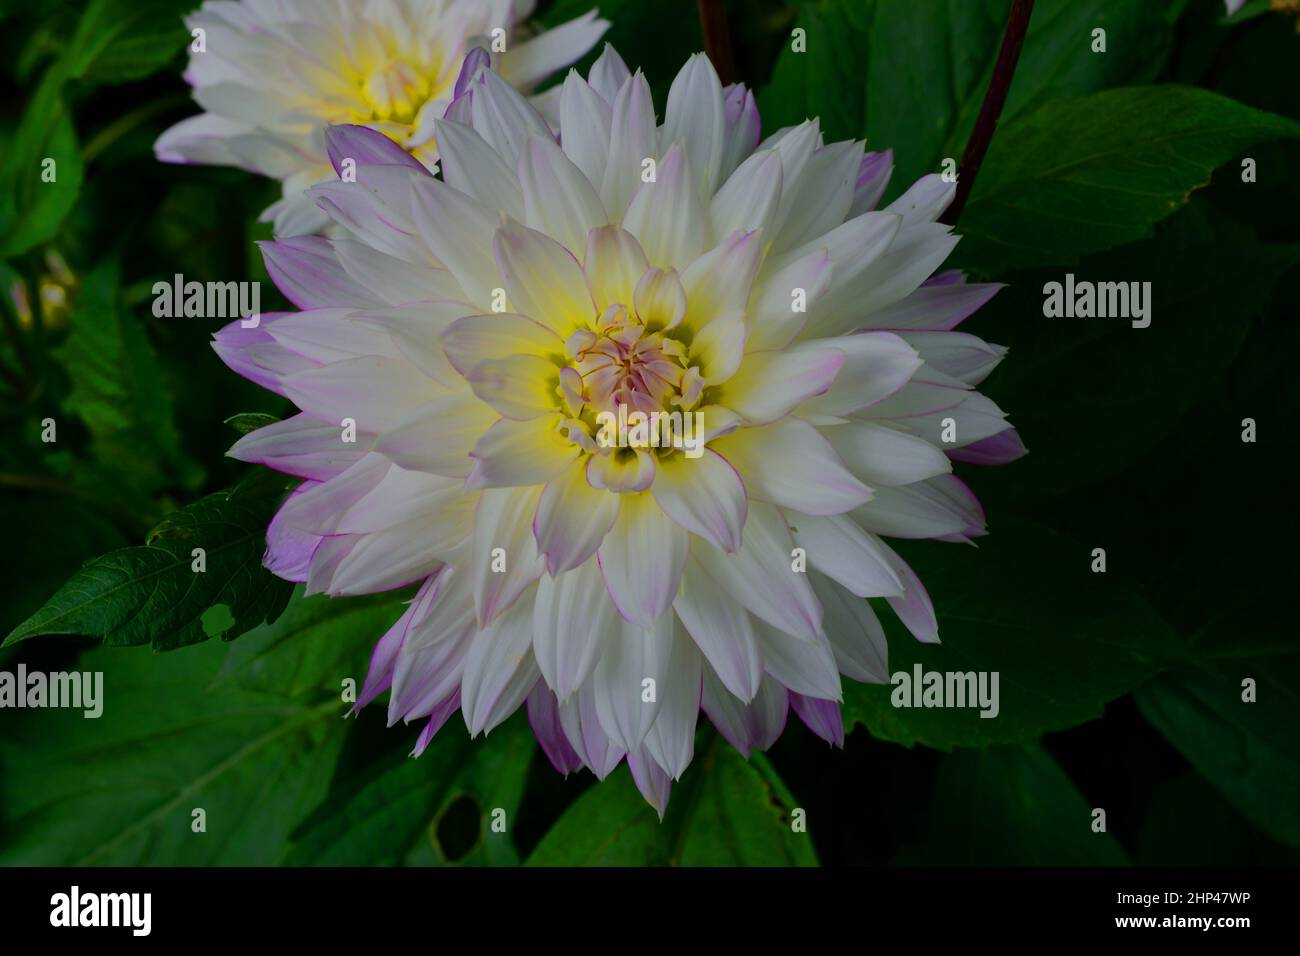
pixel 482 331
pixel 271 75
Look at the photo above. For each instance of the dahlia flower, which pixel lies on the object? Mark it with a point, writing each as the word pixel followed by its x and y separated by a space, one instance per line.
pixel 271 75
pixel 480 331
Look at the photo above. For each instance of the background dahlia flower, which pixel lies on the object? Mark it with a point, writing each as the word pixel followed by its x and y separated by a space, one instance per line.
pixel 474 328
pixel 274 73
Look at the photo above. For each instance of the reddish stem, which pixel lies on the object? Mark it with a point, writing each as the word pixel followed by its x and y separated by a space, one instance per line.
pixel 1013 40
pixel 717 39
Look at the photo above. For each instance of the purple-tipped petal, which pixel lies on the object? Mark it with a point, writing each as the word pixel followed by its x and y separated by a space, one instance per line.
pixel 948 277
pixel 307 270
pixel 651 779
pixel 822 717
pixel 476 60
pixel 366 147
pixel 441 713
pixel 742 131
pixel 383 660
pixel 544 718
pixel 873 179
pixel 998 449
pixel 289 551
pixel 939 305
pixel 252 353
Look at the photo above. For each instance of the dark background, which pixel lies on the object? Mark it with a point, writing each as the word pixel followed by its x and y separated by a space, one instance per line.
pixel 1134 441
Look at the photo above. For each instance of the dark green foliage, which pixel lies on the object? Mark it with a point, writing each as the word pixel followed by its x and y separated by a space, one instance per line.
pixel 1163 691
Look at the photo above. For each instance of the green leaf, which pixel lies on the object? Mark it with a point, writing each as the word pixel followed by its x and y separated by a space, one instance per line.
pixel 724 812
pixel 44 146
pixel 827 79
pixel 254 749
pixel 1119 391
pixel 143 37
pixel 151 595
pixel 1188 823
pixel 656 38
pixel 911 74
pixel 56 535
pixel 246 422
pixel 118 389
pixel 115 41
pixel 1082 175
pixel 438 809
pixel 1027 607
pixel 1011 806
pixel 1249 750
pixel 1249 11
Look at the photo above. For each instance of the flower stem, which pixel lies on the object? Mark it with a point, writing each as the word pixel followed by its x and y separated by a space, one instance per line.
pixel 1013 39
pixel 717 39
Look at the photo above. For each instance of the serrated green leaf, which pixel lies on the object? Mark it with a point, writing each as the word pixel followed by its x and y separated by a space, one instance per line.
pixel 911 76
pixel 1125 389
pixel 118 390
pixel 402 812
pixel 1082 175
pixel 151 595
pixel 1026 605
pixel 724 812
pixel 254 748
pixel 1245 742
pixel 1011 806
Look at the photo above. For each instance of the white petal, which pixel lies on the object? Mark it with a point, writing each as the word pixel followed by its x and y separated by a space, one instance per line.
pixel 572 519
pixel 823 195
pixel 769 385
pixel 641 559
pixel 789 464
pixel 470 165
pixel 512 453
pixel 761 577
pixel 666 215
pixel 584 124
pixel 503 118
pixel 721 629
pixel 558 198
pixel 625 704
pixel 925 200
pixel 503 537
pixel 704 495
pixel 841 550
pixel 854 632
pixel 438 437
pixel 695 116
pixel 473 339
pixel 749 199
pixel 459 231
pixel 377 393
pixel 572 621
pixel 804 667
pixel 499 670
pixel 542 279
pixel 632 139
pixel 886 456
pixel 876 365
pixel 671 740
